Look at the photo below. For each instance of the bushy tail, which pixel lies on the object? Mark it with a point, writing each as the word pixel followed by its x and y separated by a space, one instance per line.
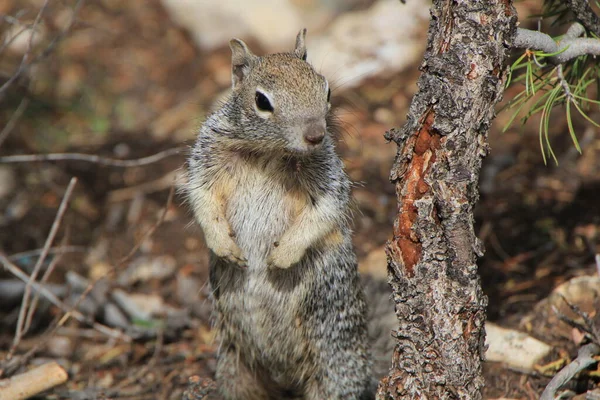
pixel 381 321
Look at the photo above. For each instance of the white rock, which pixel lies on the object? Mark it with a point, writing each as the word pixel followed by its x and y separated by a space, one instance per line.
pixel 385 38
pixel 139 306
pixel 273 23
pixel 18 38
pixel 581 291
pixel 514 348
pixel 146 268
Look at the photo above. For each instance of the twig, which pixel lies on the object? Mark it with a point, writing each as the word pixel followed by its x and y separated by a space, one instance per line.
pixel 131 192
pixel 91 158
pixel 150 364
pixel 57 324
pixel 72 311
pixel 61 35
pixel 46 51
pixel 13 120
pixel 563 83
pixel 53 250
pixel 570 46
pixel 21 330
pixel 25 58
pixel 16 271
pixel 31 383
pixel 588 326
pixel 13 37
pixel 12 366
pixel 584 359
pixel 45 276
pixel 83 295
pixel 150 231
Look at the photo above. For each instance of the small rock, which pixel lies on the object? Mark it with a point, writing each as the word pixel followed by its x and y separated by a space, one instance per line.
pixel 593 395
pixel 60 346
pixel 582 292
pixel 139 306
pixel 188 288
pixel 384 116
pixel 145 268
pixel 199 388
pixel 113 316
pixel 514 348
pixel 18 38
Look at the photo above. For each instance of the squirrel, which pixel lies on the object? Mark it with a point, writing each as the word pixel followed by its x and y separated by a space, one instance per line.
pixel 272 198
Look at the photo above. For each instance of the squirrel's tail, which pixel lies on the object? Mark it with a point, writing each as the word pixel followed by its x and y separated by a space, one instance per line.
pixel 381 321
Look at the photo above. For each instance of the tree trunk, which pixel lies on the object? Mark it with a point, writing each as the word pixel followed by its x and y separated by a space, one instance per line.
pixel 432 256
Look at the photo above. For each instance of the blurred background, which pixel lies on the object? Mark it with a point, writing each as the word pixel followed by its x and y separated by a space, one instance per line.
pixel 129 79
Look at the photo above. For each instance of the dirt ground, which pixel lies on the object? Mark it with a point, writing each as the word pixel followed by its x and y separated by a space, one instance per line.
pixel 126 83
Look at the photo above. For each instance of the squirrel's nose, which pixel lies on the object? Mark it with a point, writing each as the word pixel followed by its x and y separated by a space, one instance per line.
pixel 314 135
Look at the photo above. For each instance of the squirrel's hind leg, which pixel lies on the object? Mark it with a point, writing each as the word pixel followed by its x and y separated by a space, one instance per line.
pixel 236 381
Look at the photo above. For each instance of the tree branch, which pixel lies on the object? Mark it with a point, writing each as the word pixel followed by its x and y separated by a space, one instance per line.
pixel 21 323
pixel 570 46
pixel 585 14
pixel 584 359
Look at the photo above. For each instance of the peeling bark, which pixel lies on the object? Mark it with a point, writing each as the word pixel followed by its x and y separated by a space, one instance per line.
pixel 432 256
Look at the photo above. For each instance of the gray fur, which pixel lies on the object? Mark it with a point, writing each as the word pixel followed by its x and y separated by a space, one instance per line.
pixel 289 305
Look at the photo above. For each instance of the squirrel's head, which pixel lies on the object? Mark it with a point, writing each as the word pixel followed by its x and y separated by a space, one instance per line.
pixel 283 101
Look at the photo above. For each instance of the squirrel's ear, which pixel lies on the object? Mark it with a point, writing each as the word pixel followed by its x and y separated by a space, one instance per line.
pixel 241 61
pixel 300 50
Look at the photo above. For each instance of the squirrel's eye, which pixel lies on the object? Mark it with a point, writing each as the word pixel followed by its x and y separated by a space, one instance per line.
pixel 262 103
pixel 328 95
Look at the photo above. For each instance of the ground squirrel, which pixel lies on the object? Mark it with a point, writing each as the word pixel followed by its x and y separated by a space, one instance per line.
pixel 271 196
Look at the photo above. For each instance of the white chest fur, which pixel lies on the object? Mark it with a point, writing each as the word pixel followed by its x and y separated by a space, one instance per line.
pixel 261 207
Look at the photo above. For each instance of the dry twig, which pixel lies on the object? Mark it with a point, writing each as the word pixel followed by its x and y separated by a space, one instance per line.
pixel 150 364
pixel 23 312
pixel 111 162
pixel 53 250
pixel 16 271
pixel 33 382
pixel 584 359
pixel 13 120
pixel 152 229
pixel 44 279
pixel 156 185
pixel 25 63
pixel 25 59
pixel 587 326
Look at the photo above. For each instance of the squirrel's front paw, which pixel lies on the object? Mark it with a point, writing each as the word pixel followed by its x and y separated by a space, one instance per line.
pixel 285 255
pixel 226 248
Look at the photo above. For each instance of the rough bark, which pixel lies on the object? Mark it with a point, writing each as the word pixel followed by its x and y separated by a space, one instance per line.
pixel 432 257
pixel 585 14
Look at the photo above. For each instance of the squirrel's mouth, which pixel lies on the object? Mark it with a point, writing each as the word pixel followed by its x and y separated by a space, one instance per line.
pixel 306 142
pixel 303 149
